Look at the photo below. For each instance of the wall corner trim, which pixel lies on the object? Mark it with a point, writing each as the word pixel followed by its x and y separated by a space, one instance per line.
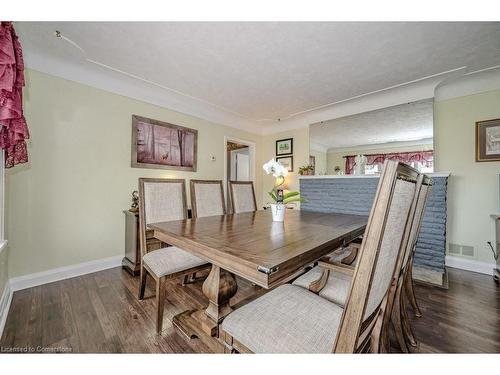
pixel 61 273
pixel 469 265
pixel 5 300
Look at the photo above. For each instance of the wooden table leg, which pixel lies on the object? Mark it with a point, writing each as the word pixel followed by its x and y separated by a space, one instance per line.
pixel 219 287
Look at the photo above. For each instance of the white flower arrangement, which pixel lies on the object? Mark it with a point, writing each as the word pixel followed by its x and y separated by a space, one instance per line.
pixel 280 172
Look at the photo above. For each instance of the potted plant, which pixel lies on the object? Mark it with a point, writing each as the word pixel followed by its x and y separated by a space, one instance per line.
pixel 306 170
pixel 278 207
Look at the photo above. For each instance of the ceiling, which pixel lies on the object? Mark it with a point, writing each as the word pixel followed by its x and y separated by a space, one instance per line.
pixel 401 123
pixel 261 72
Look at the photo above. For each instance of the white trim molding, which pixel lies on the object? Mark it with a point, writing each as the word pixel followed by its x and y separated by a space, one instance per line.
pixel 61 273
pixel 469 265
pixel 5 300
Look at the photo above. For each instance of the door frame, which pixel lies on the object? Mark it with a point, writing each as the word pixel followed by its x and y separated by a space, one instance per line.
pixel 251 157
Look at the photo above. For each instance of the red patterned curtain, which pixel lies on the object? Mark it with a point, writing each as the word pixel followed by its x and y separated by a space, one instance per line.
pixel 13 127
pixel 425 158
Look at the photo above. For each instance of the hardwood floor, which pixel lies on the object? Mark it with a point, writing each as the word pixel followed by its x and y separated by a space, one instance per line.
pixel 100 313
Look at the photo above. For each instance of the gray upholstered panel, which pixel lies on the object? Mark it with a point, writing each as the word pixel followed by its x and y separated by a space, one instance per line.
pixel 288 319
pixel 355 196
pixel 208 199
pixel 242 197
pixel 163 201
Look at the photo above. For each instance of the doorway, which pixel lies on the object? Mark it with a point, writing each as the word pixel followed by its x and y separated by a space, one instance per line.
pixel 239 162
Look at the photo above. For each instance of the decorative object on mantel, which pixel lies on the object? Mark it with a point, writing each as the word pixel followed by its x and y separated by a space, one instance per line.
pixel 277 195
pixel 359 167
pixel 13 127
pixel 337 170
pixel 488 140
pixel 284 147
pixel 306 170
pixel 286 161
pixel 161 145
pixel 134 207
pixel 312 163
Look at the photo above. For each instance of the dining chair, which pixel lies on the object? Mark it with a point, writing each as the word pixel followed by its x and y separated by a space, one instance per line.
pixel 163 199
pixel 336 287
pixel 242 195
pixel 292 319
pixel 405 290
pixel 207 198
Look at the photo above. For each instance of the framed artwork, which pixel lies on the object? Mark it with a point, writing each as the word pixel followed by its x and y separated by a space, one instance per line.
pixel 161 145
pixel 284 147
pixel 287 162
pixel 488 140
pixel 312 162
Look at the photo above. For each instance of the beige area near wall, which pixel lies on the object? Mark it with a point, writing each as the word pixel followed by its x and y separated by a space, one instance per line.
pixel 321 161
pixel 473 191
pixel 300 158
pixel 65 206
pixel 337 158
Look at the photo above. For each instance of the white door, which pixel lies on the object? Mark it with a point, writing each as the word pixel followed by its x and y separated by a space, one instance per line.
pixel 242 167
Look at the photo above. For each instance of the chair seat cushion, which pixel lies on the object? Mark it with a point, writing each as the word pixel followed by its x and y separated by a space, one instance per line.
pixel 170 260
pixel 289 319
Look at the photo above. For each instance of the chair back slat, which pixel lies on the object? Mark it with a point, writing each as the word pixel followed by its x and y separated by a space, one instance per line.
pixel 207 198
pixel 160 199
pixel 382 250
pixel 242 195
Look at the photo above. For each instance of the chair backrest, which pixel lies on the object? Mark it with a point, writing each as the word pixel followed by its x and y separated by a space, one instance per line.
pixel 423 195
pixel 160 199
pixel 242 196
pixel 382 249
pixel 207 198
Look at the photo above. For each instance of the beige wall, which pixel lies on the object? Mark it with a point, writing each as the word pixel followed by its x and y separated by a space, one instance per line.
pixel 300 157
pixel 473 187
pixel 321 164
pixel 65 206
pixel 337 158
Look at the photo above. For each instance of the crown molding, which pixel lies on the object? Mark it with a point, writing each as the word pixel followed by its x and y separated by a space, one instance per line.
pixel 115 82
pixel 404 93
pixel 469 84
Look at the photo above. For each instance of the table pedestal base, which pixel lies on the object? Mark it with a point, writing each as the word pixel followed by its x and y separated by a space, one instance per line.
pixel 196 325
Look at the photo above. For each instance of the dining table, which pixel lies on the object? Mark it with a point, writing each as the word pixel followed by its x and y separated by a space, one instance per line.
pixel 254 247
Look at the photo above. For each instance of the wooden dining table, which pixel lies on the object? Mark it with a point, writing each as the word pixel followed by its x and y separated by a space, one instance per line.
pixel 254 247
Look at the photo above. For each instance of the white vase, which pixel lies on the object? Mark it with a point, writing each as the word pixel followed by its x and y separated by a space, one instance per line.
pixel 278 211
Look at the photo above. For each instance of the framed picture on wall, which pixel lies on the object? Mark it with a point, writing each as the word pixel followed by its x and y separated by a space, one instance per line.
pixel 488 140
pixel 284 147
pixel 160 145
pixel 286 161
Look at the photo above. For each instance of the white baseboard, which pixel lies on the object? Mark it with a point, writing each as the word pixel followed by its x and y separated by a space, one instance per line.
pixel 56 274
pixel 5 300
pixel 469 265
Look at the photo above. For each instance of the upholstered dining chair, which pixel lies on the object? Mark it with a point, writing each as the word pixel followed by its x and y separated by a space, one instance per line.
pixel 405 292
pixel 207 198
pixel 163 199
pixel 292 319
pixel 336 287
pixel 242 195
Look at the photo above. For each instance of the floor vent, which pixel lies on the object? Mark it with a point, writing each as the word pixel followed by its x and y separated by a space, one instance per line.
pixel 461 250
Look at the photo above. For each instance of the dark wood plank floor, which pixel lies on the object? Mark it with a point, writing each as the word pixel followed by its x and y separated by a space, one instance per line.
pixel 100 312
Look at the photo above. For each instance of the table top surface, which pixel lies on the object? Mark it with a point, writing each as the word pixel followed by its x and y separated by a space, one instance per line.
pixel 254 247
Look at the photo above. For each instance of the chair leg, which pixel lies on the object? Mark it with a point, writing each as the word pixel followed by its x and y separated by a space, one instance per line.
pixel 142 283
pixel 410 292
pixel 408 331
pixel 160 303
pixel 396 321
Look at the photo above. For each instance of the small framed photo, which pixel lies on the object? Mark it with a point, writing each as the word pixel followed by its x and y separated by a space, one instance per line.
pixel 286 161
pixel 284 147
pixel 488 140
